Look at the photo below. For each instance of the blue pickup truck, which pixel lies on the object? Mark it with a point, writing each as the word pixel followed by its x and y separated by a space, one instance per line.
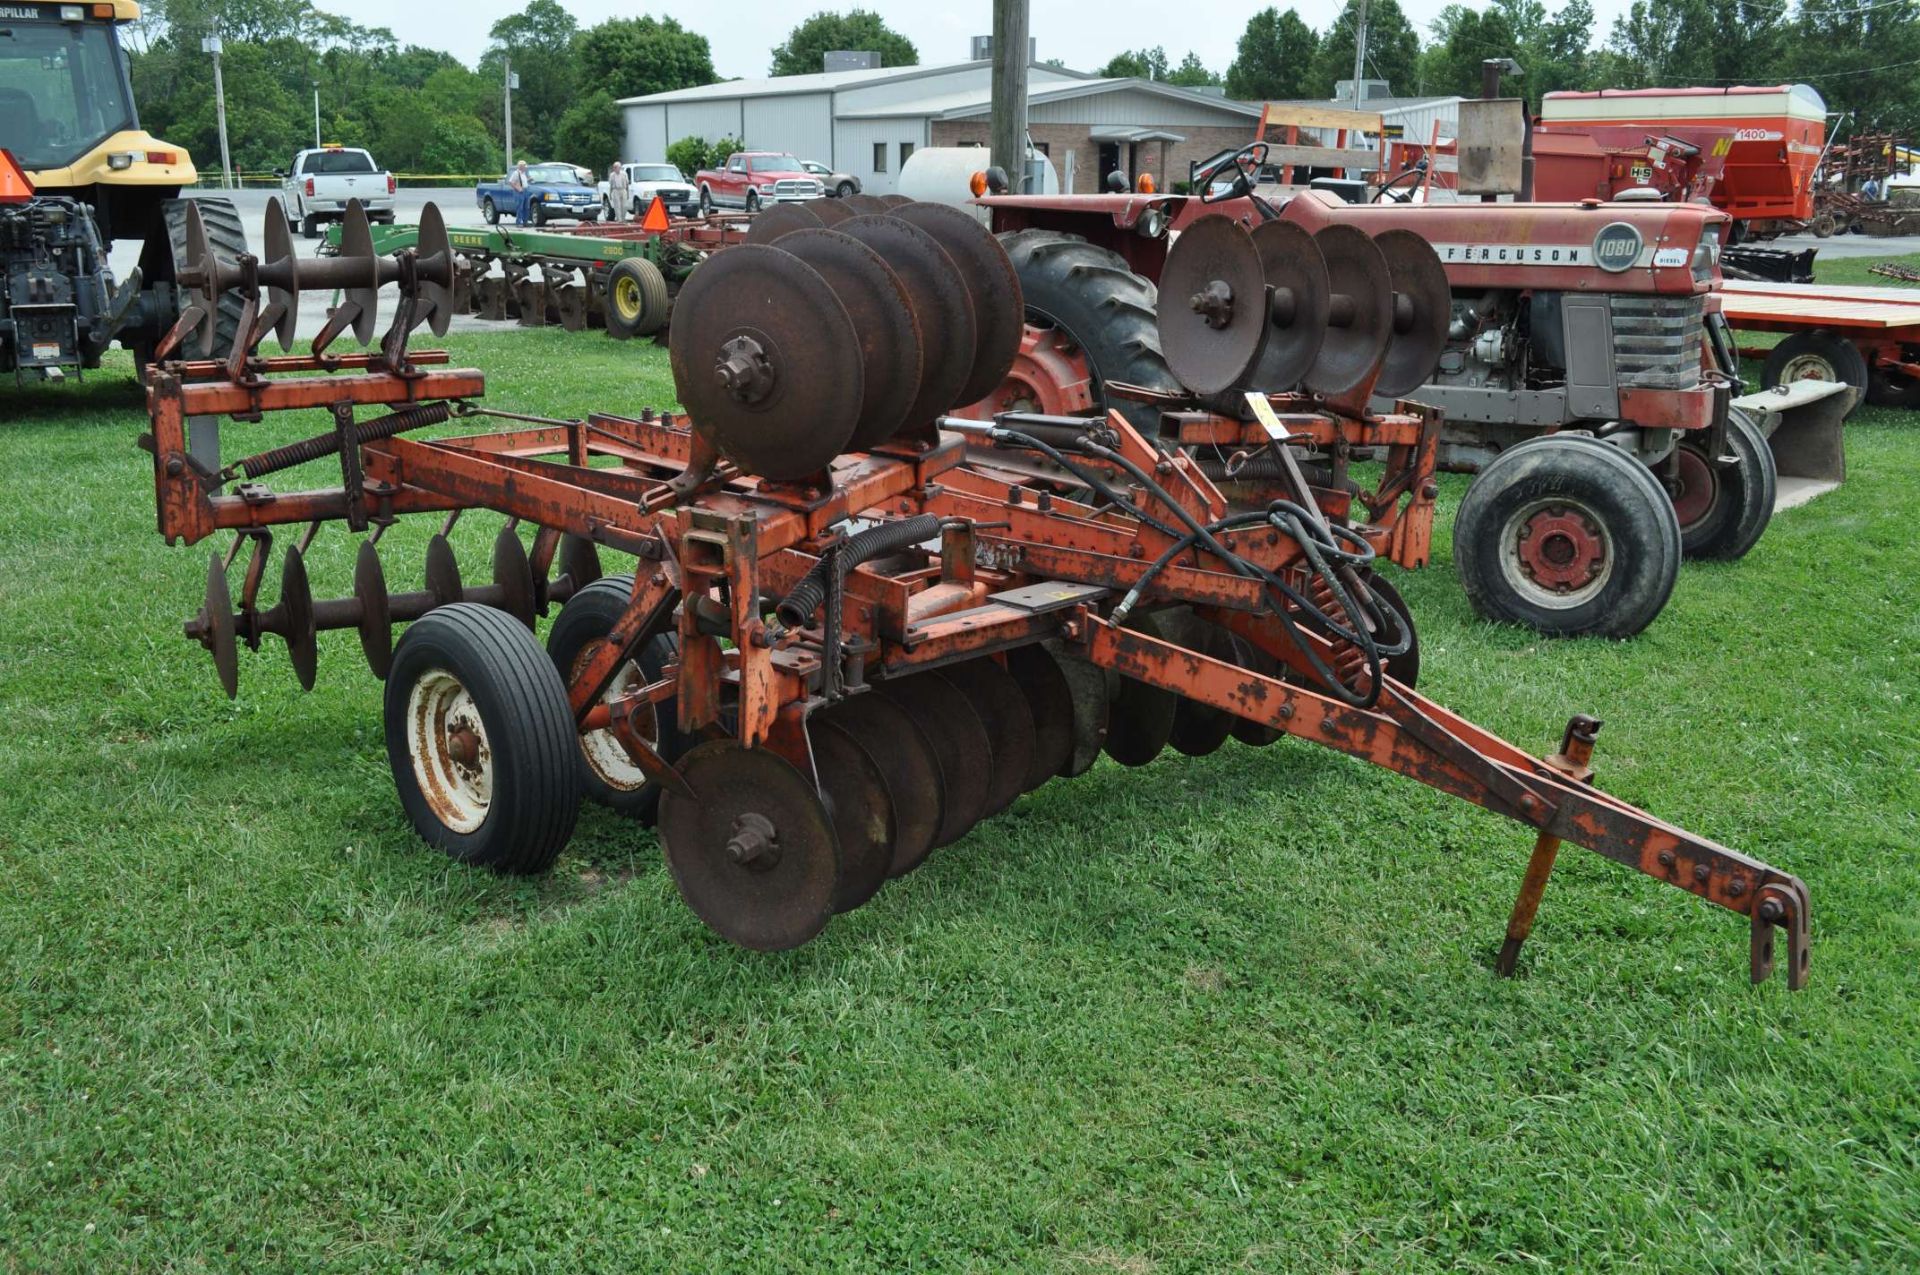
pixel 553 190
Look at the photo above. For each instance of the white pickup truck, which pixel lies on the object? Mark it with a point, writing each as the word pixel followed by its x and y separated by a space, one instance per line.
pixel 323 181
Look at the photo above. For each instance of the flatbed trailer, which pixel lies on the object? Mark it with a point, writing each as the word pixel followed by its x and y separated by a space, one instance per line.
pixel 1866 336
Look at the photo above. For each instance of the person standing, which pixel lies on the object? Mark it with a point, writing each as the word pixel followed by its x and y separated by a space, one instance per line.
pixel 617 185
pixel 517 182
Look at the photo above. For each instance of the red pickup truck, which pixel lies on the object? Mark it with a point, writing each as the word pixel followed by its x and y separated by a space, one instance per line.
pixel 750 179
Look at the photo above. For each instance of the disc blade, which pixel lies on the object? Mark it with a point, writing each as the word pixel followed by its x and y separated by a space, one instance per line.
pixel 865 205
pixel 1290 262
pixel 831 212
pixel 296 613
pixel 1050 701
pixel 882 313
pixel 284 262
pixel 1363 298
pixel 781 219
pixel 752 850
pixel 1200 729
pixel 356 245
pixel 906 758
pixel 960 746
pixel 1212 308
pixel 996 697
pixel 861 808
pixel 1423 307
pixel 435 268
pixel 1141 719
pixel 1254 660
pixel 766 361
pixel 1093 689
pixel 941 305
pixel 218 612
pixel 376 623
pixel 513 576
pixel 443 573
pixel 999 314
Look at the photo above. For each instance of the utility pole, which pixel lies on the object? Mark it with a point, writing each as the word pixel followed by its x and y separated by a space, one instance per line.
pixel 1008 130
pixel 211 44
pixel 1359 50
pixel 316 115
pixel 512 83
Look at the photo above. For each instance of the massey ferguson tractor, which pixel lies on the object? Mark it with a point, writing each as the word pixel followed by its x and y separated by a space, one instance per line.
pixel 76 174
pixel 1580 337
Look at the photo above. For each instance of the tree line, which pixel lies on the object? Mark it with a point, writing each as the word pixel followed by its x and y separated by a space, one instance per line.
pixel 424 111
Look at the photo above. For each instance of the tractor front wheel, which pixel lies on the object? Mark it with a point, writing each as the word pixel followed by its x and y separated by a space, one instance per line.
pixel 1723 509
pixel 1567 536
pixel 481 741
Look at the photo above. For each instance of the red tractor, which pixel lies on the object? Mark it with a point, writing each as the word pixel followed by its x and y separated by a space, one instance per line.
pixel 1579 336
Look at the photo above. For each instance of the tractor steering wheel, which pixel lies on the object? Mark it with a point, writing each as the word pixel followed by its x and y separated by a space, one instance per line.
pixel 1245 165
pixel 1386 191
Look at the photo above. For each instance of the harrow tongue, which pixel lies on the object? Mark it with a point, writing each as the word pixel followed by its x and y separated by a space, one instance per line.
pixel 855 628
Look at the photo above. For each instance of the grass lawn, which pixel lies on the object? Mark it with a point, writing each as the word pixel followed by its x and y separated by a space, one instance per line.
pixel 1229 1013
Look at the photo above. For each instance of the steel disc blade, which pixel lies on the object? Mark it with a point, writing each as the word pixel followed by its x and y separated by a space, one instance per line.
pixel 1254 660
pixel 906 758
pixel 1093 689
pixel 895 201
pixel 865 205
pixel 218 612
pixel 376 622
pixel 283 259
pixel 1361 317
pixel 752 851
pixel 766 361
pixel 296 614
pixel 1422 308
pixel 1212 309
pixel 1050 702
pixel 882 315
pixel 996 697
pixel 960 746
pixel 356 245
pixel 781 219
pixel 1140 721
pixel 433 251
pixel 831 212
pixel 1290 262
pixel 1200 729
pixel 513 576
pixel 999 314
pixel 941 305
pixel 861 807
pixel 443 573
pixel 579 560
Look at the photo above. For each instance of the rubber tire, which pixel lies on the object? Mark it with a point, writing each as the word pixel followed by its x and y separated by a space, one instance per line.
pixel 228 237
pixel 1103 307
pixel 523 703
pixel 1737 521
pixel 1823 226
pixel 309 227
pixel 753 203
pixel 706 202
pixel 539 217
pixel 846 190
pixel 1624 493
pixel 654 302
pixel 588 616
pixel 1892 389
pixel 1842 357
pixel 488 212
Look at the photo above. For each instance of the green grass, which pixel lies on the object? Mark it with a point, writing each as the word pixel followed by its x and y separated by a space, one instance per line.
pixel 1228 1013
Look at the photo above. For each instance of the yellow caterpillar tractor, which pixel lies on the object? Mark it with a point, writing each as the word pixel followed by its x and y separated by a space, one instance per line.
pixel 77 173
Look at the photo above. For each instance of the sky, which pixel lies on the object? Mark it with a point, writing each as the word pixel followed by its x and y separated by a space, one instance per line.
pixel 743 32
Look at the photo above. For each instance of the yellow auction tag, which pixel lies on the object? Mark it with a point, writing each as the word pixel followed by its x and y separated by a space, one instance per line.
pixel 1264 413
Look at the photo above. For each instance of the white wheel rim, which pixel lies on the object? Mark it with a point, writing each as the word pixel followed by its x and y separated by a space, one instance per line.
pixel 452 757
pixel 1808 367
pixel 1514 570
pixel 605 755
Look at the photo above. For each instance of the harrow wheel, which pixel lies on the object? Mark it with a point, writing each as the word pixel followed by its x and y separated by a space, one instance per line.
pixel 960 747
pixel 637 300
pixel 609 774
pixel 1569 537
pixel 907 762
pixel 753 850
pixel 481 744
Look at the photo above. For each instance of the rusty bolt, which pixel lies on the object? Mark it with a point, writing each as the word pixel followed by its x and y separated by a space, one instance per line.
pixel 1164 467
pixel 1701 872
pixel 1429 490
pixel 1736 888
pixel 659 577
pixel 1666 858
pixel 174 466
pixel 1286 712
pixel 1326 726
pixel 1214 303
pixel 1771 910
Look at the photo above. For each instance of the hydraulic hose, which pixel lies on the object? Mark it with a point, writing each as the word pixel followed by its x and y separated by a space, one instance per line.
pixel 797 608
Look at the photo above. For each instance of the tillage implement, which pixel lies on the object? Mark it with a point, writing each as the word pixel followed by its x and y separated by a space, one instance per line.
pixel 856 626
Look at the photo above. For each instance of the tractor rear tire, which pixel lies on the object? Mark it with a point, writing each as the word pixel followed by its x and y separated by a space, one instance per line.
pixel 480 740
pixel 1819 356
pixel 637 301
pixel 1089 294
pixel 608 777
pixel 161 258
pixel 1740 500
pixel 1568 536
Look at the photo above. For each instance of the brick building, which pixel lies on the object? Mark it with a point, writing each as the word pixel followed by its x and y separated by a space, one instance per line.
pixel 867 121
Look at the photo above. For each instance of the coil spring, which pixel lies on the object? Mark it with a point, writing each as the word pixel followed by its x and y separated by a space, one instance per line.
pixel 308 449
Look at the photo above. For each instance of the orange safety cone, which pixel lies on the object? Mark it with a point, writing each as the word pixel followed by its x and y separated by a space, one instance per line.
pixel 14 186
pixel 656 219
